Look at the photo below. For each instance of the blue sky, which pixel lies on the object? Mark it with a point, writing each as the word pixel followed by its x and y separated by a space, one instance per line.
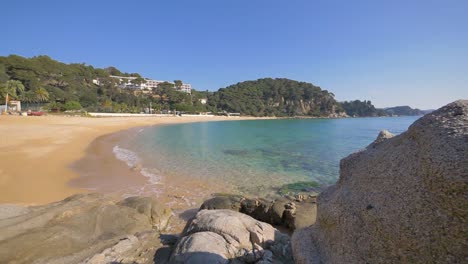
pixel 391 52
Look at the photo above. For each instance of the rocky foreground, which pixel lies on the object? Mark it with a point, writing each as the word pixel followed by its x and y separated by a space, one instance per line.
pixel 403 199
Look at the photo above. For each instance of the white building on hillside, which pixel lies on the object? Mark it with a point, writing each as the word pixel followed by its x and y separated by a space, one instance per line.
pixel 152 83
pixel 126 82
pixel 187 88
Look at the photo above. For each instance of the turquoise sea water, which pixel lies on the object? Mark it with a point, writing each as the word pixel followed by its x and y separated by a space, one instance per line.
pixel 258 155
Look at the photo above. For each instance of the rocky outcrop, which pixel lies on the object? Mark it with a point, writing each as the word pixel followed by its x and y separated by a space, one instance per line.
pixel 83 228
pixel 401 200
pixel 291 212
pixel 225 236
pixel 157 214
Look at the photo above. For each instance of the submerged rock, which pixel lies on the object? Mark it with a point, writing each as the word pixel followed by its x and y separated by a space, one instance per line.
pixel 401 200
pixel 77 228
pixel 225 236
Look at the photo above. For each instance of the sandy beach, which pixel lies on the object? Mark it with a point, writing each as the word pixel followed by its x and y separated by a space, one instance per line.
pixel 37 153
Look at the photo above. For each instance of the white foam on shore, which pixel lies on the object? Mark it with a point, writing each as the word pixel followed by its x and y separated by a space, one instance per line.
pixel 125 155
pixel 133 161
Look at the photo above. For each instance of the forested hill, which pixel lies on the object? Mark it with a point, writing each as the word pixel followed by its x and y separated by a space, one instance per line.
pixel 404 111
pixel 359 108
pixel 49 84
pixel 365 108
pixel 276 97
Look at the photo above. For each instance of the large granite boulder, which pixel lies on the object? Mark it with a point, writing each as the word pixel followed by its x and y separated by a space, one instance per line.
pixel 77 228
pixel 401 200
pixel 226 236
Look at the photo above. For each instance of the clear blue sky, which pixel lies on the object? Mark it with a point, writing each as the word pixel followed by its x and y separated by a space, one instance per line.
pixel 394 52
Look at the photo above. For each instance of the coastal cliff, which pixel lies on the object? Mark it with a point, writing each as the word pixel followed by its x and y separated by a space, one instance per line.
pixel 402 199
pixel 276 97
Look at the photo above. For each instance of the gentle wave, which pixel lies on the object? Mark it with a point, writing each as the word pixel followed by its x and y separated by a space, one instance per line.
pixel 133 161
pixel 127 156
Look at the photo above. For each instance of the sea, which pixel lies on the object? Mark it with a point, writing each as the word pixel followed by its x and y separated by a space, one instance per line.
pixel 253 157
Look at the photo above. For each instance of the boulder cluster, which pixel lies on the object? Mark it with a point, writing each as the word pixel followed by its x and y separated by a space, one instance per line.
pixel 292 212
pixel 225 236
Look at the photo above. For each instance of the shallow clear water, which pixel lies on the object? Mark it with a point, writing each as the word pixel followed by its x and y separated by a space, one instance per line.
pixel 258 155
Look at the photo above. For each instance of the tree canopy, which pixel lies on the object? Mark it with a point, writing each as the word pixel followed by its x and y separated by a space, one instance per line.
pixel 361 108
pixel 43 79
pixel 274 97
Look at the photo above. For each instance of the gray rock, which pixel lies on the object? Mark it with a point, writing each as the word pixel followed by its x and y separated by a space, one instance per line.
pixel 73 230
pixel 257 208
pixel 115 252
pixel 275 212
pixel 383 135
pixel 11 210
pixel 223 236
pixel 202 247
pixel 232 202
pixel 300 215
pixel 157 214
pixel 401 200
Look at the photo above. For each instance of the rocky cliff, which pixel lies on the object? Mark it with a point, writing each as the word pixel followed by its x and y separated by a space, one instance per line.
pixel 401 200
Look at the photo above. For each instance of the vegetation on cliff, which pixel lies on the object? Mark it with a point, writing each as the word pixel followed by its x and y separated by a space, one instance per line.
pixel 275 97
pixel 361 108
pixel 405 111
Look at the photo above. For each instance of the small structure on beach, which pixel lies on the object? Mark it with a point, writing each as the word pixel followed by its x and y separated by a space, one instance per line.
pixel 15 106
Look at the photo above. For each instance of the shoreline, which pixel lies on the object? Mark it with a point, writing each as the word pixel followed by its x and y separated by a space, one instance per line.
pixel 37 153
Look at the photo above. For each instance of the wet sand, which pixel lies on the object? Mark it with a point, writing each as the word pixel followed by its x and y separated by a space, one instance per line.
pixel 38 159
pixel 100 171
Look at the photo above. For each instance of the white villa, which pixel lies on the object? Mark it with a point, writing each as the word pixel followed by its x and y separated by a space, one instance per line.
pixel 126 82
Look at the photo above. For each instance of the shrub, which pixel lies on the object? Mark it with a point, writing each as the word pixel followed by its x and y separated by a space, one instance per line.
pixel 72 105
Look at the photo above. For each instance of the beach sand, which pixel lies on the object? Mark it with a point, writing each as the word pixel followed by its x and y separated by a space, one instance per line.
pixel 40 156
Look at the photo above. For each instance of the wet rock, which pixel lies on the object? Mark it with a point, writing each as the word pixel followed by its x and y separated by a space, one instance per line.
pixel 277 211
pixel 232 202
pixel 257 208
pixel 293 212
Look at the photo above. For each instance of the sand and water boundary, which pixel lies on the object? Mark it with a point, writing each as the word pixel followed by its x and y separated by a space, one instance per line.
pixel 41 158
